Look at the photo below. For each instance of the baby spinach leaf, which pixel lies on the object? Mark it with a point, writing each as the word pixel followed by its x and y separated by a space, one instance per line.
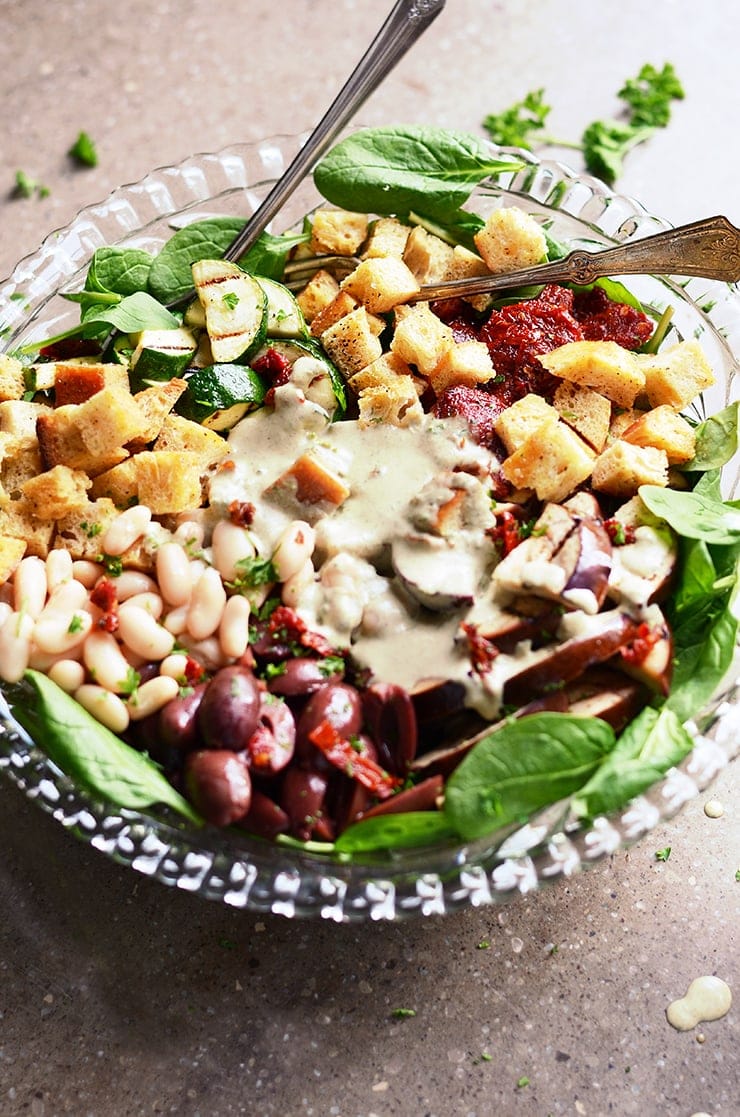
pixel 704 638
pixel 654 742
pixel 133 313
pixel 526 765
pixel 269 254
pixel 693 514
pixel 395 831
pixel 697 577
pixel 119 270
pixel 170 277
pixel 394 170
pixel 89 753
pixel 716 440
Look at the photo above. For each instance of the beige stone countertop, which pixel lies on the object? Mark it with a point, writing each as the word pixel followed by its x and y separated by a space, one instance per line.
pixel 120 997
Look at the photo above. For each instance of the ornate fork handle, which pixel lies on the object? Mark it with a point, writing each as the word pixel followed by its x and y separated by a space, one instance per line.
pixel 709 248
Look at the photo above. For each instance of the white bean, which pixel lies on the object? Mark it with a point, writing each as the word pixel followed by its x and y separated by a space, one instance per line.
pixel 174 665
pixel 208 652
pixel 140 631
pixel 59 567
pixel 86 572
pixel 173 573
pixel 131 582
pixel 15 646
pixel 190 535
pixel 105 661
pixel 150 602
pixel 152 696
pixel 301 587
pixel 127 527
pixel 176 620
pixel 206 605
pixel 57 632
pixel 233 631
pixel 67 674
pixel 30 586
pixel 105 706
pixel 5 611
pixel 294 547
pixel 197 568
pixel 6 594
pixel 44 661
pixel 231 545
pixel 67 597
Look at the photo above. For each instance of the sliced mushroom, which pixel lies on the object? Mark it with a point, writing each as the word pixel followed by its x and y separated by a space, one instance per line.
pixel 643 567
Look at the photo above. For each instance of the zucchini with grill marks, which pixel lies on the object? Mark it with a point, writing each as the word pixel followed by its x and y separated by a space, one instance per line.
pixel 235 308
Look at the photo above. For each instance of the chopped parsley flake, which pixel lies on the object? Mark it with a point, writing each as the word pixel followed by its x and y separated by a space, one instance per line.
pixel 231 300
pixel 113 565
pixel 253 571
pixel 91 530
pixel 663 854
pixel 83 151
pixel 402 1013
pixel 522 1082
pixel 75 625
pixel 26 187
pixel 130 684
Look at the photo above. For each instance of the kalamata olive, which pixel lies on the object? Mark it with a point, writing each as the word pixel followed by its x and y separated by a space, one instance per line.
pixel 270 748
pixel 218 784
pixel 264 817
pixel 348 798
pixel 302 676
pixel 336 703
pixel 421 797
pixel 229 710
pixel 178 720
pixel 391 722
pixel 302 798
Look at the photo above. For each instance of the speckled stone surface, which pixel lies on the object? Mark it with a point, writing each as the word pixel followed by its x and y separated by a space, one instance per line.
pixel 120 997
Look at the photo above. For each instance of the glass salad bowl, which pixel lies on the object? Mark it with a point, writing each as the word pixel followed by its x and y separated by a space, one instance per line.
pixel 252 874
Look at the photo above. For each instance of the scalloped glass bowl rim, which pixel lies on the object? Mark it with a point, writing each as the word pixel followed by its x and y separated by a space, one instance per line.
pixel 255 875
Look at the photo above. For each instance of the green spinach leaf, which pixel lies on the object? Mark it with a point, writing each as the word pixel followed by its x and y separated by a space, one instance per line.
pixel 133 313
pixel 522 767
pixel 694 515
pixel 170 277
pixel 704 638
pixel 716 440
pixel 654 742
pixel 122 271
pixel 411 167
pixel 89 753
pixel 395 831
pixel 269 254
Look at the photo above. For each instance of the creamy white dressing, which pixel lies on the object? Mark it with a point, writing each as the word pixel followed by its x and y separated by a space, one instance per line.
pixel 707 998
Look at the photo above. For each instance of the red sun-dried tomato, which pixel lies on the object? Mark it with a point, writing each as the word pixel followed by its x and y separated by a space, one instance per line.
pixel 352 761
pixel 619 533
pixel 285 625
pixel 481 650
pixel 105 596
pixel 603 319
pixel 276 368
pixel 241 513
pixel 641 644
pixel 506 533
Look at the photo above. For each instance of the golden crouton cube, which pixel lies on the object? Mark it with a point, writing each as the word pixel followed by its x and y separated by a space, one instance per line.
pixel 109 418
pixel 384 371
pixel 321 288
pixel 56 493
pixel 586 411
pixel 185 435
pixel 12 380
pixel 387 237
pixel 118 484
pixel 18 521
pixel 341 305
pixel 351 343
pixel 61 442
pixel 18 417
pixel 308 489
pixel 381 283
pixel 420 337
pixel 428 257
pixel 337 232
pixel 622 417
pixel 465 264
pixel 11 552
pixel 602 365
pixel 516 423
pixel 77 381
pixel 168 481
pixel 509 240
pixel 21 460
pixel 396 403
pixel 666 430
pixel 155 404
pixel 675 376
pixel 467 362
pixel 622 468
pixel 80 532
pixel 553 461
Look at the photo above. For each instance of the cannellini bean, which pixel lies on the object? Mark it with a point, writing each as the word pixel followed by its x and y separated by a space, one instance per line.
pixel 208 652
pixel 30 586
pixel 67 674
pixel 150 602
pixel 44 661
pixel 131 582
pixel 197 568
pixel 294 547
pixel 57 631
pixel 206 605
pixel 301 587
pixel 233 631
pixel 174 665
pixel 143 635
pixel 5 611
pixel 231 545
pixel 86 572
pixel 152 696
pixel 15 646
pixel 127 527
pixel 105 706
pixel 176 620
pixel 173 574
pixel 105 661
pixel 66 598
pixel 59 567
pixel 190 535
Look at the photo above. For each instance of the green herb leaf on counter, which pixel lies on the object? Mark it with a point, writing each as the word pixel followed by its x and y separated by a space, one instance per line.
pixel 87 752
pixel 663 854
pixel 403 1013
pixel 83 151
pixel 26 187
pixel 649 95
pixel 521 123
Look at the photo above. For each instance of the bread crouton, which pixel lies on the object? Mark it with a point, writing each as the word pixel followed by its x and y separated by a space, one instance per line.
pixel 396 403
pixel 185 435
pixel 663 428
pixel 337 232
pixel 117 484
pixel 420 337
pixel 56 493
pixel 18 521
pixel 168 481
pixel 516 423
pixel 21 461
pixel 155 404
pixel 602 365
pixel 429 258
pixel 11 552
pixel 380 283
pixel 341 305
pixel 77 381
pixel 621 419
pixel 80 532
pixel 553 461
pixel 18 417
pixel 320 290
pixel 509 240
pixel 622 468
pixel 12 380
pixel 351 343
pixel 468 363
pixel 91 436
pixel 307 489
pixel 675 376
pixel 384 371
pixel 587 412
pixel 387 237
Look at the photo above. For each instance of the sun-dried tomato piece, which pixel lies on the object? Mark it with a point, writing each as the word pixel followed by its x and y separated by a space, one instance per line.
pixel 352 760
pixel 619 533
pixel 506 533
pixel 105 596
pixel 285 626
pixel 603 319
pixel 642 643
pixel 241 513
pixel 481 650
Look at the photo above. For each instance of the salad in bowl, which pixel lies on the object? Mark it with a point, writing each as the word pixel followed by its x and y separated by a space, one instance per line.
pixel 312 587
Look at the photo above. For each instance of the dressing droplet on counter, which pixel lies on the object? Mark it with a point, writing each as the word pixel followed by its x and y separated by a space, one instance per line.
pixel 713 808
pixel 707 998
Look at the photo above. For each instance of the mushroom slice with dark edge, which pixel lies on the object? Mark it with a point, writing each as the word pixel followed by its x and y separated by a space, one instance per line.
pixel 642 566
pixel 604 693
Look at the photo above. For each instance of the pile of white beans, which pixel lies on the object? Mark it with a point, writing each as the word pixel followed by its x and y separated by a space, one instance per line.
pixel 49 622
